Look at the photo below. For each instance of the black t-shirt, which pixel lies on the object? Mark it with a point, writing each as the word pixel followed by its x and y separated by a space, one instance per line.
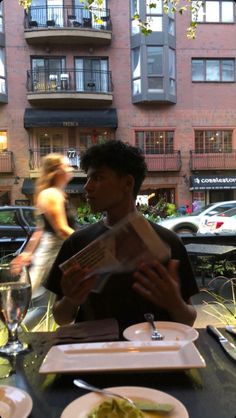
pixel 117 299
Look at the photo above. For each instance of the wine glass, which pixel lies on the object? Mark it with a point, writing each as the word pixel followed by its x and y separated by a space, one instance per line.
pixel 15 296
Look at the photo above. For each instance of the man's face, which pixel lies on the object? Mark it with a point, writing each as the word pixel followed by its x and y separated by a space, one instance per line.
pixel 105 189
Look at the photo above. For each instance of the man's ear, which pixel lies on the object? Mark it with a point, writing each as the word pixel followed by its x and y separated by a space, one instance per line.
pixel 129 183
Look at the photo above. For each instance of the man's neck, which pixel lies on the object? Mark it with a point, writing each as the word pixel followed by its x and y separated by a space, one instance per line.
pixel 112 217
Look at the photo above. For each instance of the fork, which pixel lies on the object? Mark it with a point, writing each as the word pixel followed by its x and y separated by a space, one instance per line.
pixel 156 335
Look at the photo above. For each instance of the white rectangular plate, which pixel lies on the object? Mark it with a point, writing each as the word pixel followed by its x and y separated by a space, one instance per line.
pixel 122 356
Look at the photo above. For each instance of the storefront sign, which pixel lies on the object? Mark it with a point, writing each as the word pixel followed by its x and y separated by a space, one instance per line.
pixel 212 182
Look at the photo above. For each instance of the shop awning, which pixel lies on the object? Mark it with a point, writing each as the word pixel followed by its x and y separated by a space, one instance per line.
pixel 36 118
pixel 212 182
pixel 74 187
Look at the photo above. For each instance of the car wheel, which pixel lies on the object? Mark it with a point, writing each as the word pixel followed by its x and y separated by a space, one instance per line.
pixel 185 229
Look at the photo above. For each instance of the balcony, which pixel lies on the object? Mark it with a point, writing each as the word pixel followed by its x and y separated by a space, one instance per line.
pixel 69 88
pixel 36 155
pixel 212 161
pixel 67 25
pixel 6 162
pixel 164 162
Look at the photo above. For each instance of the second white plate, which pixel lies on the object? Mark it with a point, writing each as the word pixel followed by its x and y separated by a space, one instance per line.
pixel 172 331
pixel 81 407
pixel 14 402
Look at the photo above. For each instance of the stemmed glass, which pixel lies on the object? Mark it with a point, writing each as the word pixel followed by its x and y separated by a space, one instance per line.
pixel 15 296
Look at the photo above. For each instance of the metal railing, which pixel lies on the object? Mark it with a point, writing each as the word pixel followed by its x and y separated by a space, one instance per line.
pixel 6 162
pixel 67 17
pixel 164 162
pixel 209 160
pixel 36 155
pixel 79 81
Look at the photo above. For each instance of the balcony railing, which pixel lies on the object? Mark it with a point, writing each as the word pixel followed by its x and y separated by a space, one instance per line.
pixel 36 155
pixel 163 162
pixel 79 81
pixel 6 162
pixel 40 17
pixel 215 161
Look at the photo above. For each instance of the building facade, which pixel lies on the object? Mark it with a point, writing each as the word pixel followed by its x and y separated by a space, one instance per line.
pixel 70 78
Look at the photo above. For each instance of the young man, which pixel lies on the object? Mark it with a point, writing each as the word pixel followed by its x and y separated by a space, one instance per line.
pixel 115 172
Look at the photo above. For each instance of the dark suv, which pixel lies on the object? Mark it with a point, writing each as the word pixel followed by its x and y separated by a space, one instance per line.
pixel 16 221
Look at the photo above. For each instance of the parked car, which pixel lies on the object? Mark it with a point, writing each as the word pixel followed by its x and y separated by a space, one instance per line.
pixel 16 221
pixel 190 223
pixel 225 222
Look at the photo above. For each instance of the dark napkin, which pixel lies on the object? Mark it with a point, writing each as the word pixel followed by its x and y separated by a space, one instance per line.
pixel 88 331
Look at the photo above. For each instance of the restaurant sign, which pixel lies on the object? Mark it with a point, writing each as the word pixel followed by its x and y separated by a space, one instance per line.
pixel 212 182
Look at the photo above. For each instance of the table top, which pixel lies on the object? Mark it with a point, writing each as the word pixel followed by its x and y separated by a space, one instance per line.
pixel 206 393
pixel 209 249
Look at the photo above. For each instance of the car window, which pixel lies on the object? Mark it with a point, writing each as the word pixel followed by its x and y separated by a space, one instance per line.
pixel 8 217
pixel 229 212
pixel 29 216
pixel 221 208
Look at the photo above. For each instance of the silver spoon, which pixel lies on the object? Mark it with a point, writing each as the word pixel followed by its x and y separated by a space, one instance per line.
pixel 84 385
pixel 156 335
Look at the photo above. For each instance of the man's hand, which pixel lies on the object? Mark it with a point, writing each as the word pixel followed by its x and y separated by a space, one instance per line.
pixel 76 286
pixel 160 285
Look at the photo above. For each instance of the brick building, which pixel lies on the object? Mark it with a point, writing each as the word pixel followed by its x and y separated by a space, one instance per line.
pixel 68 81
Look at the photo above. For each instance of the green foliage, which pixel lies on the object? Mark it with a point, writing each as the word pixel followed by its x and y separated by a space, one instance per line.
pixel 159 211
pixel 221 267
pixel 85 216
pixel 222 308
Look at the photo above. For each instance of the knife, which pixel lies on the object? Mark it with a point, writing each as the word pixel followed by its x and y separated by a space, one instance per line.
pixel 231 329
pixel 230 348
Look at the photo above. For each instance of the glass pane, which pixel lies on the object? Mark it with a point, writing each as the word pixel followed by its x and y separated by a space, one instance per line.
pixel 135 28
pixel 200 16
pixel 136 64
pixel 2 62
pixel 3 140
pixel 227 141
pixel 136 86
pixel 155 83
pixel 2 86
pixel 227 70
pixel 212 70
pixel 139 140
pixel 172 89
pixel 155 23
pixel 1 24
pixel 227 10
pixel 199 142
pixel 134 7
pixel 155 60
pixel 212 11
pixel 171 27
pixel 198 73
pixel 171 63
pixel 154 10
pixel 169 142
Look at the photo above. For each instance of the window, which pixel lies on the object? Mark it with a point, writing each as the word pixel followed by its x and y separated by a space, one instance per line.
pixel 1 18
pixel 215 11
pixel 134 9
pixel 3 141
pixel 136 70
pixel 2 71
pixel 46 73
pixel 50 142
pixel 92 74
pixel 155 142
pixel 155 68
pixel 172 89
pixel 154 15
pixel 213 141
pixel 213 70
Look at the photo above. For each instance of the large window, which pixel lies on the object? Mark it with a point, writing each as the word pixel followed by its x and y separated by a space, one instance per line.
pixel 92 74
pixel 213 141
pixel 2 71
pixel 3 141
pixel 215 11
pixel 155 68
pixel 213 70
pixel 46 72
pixel 1 18
pixel 155 142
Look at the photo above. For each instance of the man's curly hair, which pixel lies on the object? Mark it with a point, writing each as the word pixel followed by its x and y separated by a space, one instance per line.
pixel 119 156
